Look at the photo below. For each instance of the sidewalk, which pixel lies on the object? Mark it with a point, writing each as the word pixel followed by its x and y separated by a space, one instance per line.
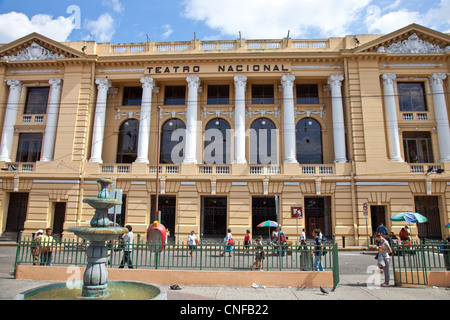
pixel 353 285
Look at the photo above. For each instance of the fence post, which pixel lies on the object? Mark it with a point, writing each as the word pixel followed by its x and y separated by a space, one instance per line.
pixel 336 278
pixel 19 245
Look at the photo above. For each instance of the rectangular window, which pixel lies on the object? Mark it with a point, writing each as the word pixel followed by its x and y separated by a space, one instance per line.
pixel 218 94
pixel 263 94
pixel 132 96
pixel 417 147
pixel 411 97
pixel 37 100
pixel 307 94
pixel 29 149
pixel 175 95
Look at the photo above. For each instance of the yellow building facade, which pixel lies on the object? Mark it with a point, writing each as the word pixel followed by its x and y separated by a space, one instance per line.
pixel 351 130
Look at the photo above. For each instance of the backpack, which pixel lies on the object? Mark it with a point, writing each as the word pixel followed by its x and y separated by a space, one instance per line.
pixel 282 237
pixel 231 242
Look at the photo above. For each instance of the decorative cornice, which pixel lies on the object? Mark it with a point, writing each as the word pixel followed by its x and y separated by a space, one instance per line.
pixel 34 52
pixel 413 45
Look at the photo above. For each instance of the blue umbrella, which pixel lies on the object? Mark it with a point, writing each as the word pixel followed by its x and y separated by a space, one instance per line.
pixel 410 217
pixel 448 225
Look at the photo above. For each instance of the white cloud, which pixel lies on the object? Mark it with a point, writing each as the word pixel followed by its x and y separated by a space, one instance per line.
pixel 14 25
pixel 102 29
pixel 167 31
pixel 116 5
pixel 435 18
pixel 272 19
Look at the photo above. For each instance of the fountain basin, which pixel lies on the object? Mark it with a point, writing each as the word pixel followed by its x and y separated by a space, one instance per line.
pixel 117 290
pixel 95 234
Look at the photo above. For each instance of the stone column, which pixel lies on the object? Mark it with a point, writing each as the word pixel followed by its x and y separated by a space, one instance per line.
pixel 440 112
pixel 240 83
pixel 15 87
pixel 99 121
pixel 391 117
pixel 52 120
pixel 289 118
pixel 191 126
pixel 338 118
pixel 144 123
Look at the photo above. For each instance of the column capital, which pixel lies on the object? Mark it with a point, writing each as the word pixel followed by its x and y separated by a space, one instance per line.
pixel 335 80
pixel 103 83
pixel 14 84
pixel 193 81
pixel 287 80
pixel 437 78
pixel 240 81
pixel 388 78
pixel 148 82
pixel 55 83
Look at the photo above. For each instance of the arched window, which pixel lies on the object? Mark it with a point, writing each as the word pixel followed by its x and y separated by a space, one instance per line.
pixel 173 137
pixel 309 141
pixel 263 142
pixel 128 141
pixel 217 142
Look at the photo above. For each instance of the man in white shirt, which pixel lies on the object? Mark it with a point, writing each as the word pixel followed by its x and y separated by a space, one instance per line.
pixel 303 238
pixel 128 248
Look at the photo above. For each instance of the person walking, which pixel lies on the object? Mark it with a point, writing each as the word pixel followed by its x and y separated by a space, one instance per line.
pixel 192 239
pixel 318 250
pixel 259 254
pixel 383 258
pixel 303 238
pixel 228 243
pixel 128 248
pixel 282 243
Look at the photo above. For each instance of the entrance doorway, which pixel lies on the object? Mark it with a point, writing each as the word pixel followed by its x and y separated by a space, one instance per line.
pixel 59 217
pixel 378 216
pixel 167 205
pixel 428 206
pixel 263 208
pixel 213 222
pixel 17 212
pixel 318 215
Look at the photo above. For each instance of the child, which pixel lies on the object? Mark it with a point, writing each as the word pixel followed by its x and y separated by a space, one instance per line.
pixel 247 241
pixel 259 254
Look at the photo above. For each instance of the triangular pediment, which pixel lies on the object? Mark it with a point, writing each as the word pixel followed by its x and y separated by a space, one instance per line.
pixel 37 47
pixel 411 39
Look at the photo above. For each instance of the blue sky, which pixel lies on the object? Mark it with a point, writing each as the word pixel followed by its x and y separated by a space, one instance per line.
pixel 122 21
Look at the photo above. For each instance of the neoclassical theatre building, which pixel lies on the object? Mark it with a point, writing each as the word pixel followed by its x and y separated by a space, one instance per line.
pixel 350 130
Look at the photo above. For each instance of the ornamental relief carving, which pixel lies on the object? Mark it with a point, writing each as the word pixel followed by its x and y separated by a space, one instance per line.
pixel 413 45
pixel 34 52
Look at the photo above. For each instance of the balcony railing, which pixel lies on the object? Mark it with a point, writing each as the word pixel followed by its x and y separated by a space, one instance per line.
pixel 427 168
pixel 19 167
pixel 208 46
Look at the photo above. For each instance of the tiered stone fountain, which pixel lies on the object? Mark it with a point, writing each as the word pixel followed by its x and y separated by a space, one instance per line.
pixel 95 279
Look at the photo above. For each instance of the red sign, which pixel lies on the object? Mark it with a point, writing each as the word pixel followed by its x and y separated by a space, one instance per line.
pixel 297 212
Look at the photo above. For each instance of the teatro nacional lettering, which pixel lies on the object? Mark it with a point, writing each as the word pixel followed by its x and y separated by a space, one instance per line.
pixel 219 68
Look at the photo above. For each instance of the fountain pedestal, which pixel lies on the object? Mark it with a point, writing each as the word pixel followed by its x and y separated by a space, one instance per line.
pixel 95 277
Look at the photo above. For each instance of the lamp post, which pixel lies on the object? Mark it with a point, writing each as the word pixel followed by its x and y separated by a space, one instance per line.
pixel 157 212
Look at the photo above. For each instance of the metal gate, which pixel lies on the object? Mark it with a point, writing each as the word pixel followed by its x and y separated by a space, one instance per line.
pixel 409 263
pixel 429 207
pixel 214 217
